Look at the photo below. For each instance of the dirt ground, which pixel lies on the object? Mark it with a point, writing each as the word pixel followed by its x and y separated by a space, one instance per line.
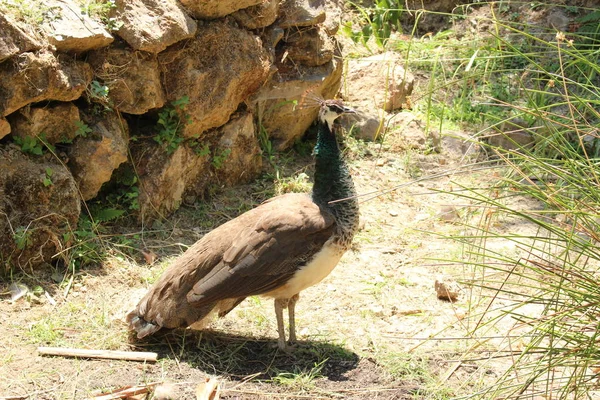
pixel 373 329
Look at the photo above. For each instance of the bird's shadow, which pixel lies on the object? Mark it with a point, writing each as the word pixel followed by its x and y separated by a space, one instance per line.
pixel 240 357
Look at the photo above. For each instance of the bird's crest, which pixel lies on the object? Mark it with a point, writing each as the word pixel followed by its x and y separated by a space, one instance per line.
pixel 310 99
pixel 330 109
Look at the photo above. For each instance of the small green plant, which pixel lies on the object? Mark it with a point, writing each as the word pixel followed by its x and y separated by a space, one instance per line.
pixel 89 242
pixel 219 158
pixel 82 129
pixel 29 144
pixel 22 237
pixel 113 24
pixel 47 181
pixel 32 12
pixel 118 198
pixel 106 214
pixel 100 9
pixel 98 91
pixel 266 144
pixel 377 21
pixel 131 197
pixel 170 121
pixel 200 150
pixel 87 248
pixel 126 192
pixel 97 8
pixel 97 94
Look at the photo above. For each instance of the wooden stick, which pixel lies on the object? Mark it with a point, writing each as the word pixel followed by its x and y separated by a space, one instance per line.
pixel 125 393
pixel 109 354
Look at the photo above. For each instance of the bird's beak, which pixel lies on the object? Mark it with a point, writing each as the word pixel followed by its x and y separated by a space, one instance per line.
pixel 348 110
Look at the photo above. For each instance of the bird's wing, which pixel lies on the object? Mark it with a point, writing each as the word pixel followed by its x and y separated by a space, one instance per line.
pixel 265 249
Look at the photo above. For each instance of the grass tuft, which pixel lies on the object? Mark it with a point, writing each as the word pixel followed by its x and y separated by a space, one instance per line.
pixel 545 289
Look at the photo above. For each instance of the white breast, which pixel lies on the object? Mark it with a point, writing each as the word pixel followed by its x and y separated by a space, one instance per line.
pixel 314 272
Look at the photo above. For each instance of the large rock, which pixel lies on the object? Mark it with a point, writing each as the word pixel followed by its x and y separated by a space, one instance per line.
pixel 334 9
pixel 312 47
pixel 412 133
pixel 239 149
pixel 56 122
pixel 259 16
pixel 33 77
pixel 378 81
pixel 5 128
pixel 365 124
pixel 218 70
pixel 71 30
pixel 437 16
pixel 132 78
pixel 152 25
pixel 297 13
pixel 284 105
pixel 513 134
pixel 166 178
pixel 271 36
pixel 226 156
pixel 39 204
pixel 93 158
pixel 15 38
pixel 209 9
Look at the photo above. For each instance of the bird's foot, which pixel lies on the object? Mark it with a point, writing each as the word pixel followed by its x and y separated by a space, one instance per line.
pixel 287 348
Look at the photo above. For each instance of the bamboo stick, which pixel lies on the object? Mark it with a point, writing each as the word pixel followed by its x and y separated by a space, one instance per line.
pixel 124 393
pixel 108 354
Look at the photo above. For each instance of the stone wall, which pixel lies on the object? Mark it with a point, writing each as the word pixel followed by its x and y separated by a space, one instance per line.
pixel 173 88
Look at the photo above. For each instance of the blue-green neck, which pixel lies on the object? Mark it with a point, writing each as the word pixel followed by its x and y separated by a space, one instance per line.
pixel 332 178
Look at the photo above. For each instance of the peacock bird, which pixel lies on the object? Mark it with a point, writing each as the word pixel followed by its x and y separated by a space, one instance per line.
pixel 278 249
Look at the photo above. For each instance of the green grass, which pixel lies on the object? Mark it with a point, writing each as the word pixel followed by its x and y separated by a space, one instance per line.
pixel 32 12
pixel 78 324
pixel 300 380
pixel 299 183
pixel 416 372
pixel 543 275
pixel 45 332
pixel 37 12
pixel 255 315
pixel 557 259
pixel 171 120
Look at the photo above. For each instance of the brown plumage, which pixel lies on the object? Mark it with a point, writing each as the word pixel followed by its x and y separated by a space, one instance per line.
pixel 277 249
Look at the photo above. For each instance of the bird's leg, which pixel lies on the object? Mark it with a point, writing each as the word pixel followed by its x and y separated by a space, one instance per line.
pixel 279 305
pixel 291 313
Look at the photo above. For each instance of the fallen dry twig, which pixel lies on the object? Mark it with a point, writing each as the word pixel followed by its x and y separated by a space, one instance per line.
pixel 126 392
pixel 108 354
pixel 208 390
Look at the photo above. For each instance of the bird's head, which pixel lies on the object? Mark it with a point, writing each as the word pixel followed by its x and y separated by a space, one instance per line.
pixel 332 109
